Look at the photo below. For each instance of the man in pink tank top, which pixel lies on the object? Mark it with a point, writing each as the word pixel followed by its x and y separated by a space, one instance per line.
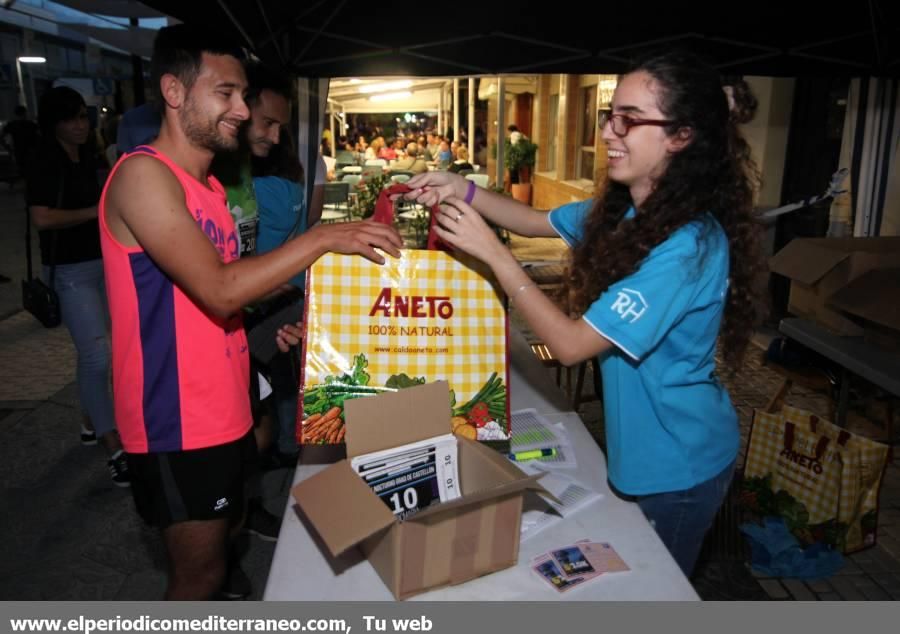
pixel 176 287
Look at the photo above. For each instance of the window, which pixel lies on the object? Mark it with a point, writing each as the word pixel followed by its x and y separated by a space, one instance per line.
pixel 75 60
pixel 552 124
pixel 588 127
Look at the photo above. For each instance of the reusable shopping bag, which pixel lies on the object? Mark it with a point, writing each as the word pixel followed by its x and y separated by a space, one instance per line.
pixel 821 479
pixel 427 316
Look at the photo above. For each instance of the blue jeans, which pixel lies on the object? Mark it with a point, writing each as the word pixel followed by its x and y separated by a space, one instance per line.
pixel 82 298
pixel 681 518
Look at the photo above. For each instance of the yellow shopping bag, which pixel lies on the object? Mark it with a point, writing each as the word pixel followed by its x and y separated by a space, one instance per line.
pixel 426 316
pixel 864 463
pixel 796 474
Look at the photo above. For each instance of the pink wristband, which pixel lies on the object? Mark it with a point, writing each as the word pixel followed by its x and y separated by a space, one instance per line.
pixel 470 195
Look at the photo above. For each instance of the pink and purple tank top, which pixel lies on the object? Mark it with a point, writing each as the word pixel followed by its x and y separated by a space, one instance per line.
pixel 180 375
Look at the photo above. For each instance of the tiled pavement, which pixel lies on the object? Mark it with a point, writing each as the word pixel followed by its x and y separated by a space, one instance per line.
pixel 869 575
pixel 68 534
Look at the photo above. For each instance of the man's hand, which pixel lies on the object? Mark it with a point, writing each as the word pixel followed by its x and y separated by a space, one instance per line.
pixel 361 238
pixel 289 335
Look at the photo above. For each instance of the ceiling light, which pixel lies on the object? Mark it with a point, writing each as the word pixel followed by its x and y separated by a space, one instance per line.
pixel 32 59
pixel 389 85
pixel 390 96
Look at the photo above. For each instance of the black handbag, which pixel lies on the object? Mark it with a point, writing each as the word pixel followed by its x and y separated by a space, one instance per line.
pixel 262 321
pixel 38 298
pixel 41 301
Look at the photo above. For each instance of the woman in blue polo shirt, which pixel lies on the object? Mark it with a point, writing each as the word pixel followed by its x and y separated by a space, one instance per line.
pixel 662 261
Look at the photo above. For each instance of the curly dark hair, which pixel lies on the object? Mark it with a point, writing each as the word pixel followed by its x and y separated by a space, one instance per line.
pixel 713 173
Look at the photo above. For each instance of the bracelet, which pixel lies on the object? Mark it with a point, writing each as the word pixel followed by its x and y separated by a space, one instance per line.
pixel 470 195
pixel 520 290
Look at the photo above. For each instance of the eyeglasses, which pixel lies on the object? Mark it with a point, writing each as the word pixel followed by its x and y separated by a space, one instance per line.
pixel 621 123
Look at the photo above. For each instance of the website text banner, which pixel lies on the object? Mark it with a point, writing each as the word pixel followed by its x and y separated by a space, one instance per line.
pixel 440 618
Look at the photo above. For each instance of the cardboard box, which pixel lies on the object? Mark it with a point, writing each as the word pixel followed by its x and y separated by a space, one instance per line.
pixel 873 299
pixel 445 544
pixel 820 267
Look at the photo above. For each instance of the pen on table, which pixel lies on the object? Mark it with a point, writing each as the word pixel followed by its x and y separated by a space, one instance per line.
pixel 532 454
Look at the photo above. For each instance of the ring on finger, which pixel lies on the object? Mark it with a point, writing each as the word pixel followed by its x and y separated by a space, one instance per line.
pixel 459 216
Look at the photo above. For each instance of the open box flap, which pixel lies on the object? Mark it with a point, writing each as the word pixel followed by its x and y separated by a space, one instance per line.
pixel 808 261
pixel 341 507
pixel 872 296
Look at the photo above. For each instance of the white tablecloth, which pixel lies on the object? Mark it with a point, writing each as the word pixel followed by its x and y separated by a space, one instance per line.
pixel 303 570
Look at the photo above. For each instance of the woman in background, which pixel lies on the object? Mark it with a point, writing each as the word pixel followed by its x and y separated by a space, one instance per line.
pixel 62 195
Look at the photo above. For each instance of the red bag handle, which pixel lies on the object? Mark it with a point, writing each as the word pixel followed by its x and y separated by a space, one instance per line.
pixel 384 213
pixel 821 446
pixel 843 437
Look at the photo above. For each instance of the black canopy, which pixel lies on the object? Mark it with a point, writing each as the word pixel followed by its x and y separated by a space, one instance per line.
pixel 334 38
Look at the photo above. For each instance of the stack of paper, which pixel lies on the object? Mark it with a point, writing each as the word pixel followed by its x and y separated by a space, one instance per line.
pixel 572 496
pixel 530 431
pixel 411 477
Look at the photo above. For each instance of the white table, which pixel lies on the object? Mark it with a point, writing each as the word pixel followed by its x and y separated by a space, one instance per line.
pixel 303 570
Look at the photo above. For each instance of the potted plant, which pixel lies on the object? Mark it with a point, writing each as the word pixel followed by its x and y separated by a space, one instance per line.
pixel 367 194
pixel 519 158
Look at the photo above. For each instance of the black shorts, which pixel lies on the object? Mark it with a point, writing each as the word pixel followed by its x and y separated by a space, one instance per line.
pixel 200 484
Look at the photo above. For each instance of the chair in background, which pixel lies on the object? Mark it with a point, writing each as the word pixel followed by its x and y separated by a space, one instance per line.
pixel 345 157
pixel 339 167
pixel 371 170
pixel 543 353
pixel 578 398
pixel 479 179
pixel 416 217
pixel 336 207
pixel 403 205
pixel 379 162
pixel 353 181
pixel 550 279
pixel 401 176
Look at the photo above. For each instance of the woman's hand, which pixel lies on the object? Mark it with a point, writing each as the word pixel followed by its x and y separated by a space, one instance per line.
pixel 432 188
pixel 463 228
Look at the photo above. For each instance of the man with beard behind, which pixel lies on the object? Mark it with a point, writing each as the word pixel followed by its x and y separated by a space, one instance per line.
pixel 176 286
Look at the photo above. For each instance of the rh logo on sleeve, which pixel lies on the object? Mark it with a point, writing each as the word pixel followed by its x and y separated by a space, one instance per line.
pixel 630 305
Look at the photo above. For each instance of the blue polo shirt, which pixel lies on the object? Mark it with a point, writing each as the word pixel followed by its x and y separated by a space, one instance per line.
pixel 282 210
pixel 669 422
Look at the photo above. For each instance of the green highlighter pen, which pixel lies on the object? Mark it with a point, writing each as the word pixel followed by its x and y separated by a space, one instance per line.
pixel 533 454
